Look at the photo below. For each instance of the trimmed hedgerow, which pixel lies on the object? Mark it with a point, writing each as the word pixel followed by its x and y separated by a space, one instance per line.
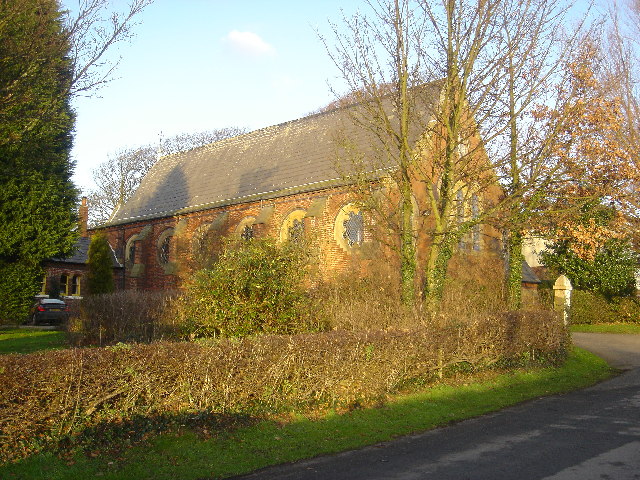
pixel 52 399
pixel 122 316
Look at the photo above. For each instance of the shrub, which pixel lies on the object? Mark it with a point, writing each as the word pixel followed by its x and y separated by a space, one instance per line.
pixel 610 273
pixel 590 308
pixel 98 389
pixel 475 285
pixel 122 316
pixel 255 287
pixel 348 301
pixel 371 300
pixel 100 264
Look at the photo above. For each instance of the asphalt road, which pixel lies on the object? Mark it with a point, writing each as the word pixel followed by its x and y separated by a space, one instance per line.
pixel 589 434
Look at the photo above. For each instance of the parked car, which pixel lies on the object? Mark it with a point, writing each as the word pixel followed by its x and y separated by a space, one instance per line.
pixel 49 311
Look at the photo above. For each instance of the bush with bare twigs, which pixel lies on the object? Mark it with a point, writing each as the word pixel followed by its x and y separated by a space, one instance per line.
pixel 98 389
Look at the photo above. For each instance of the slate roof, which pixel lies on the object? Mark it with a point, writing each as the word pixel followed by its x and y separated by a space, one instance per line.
pixel 293 157
pixel 81 254
pixel 528 275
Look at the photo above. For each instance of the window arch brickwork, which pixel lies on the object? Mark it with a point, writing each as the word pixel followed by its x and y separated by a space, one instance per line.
pixel 349 227
pixel 166 251
pixel 293 226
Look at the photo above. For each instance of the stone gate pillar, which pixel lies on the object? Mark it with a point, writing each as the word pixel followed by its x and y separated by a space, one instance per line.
pixel 562 297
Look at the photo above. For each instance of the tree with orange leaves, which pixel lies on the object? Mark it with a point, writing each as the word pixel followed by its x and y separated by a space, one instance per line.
pixel 593 200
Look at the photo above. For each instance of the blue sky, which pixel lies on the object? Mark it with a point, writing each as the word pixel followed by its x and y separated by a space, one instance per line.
pixel 196 65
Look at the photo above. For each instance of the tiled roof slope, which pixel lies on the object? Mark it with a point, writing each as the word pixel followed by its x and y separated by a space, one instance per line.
pixel 81 254
pixel 528 275
pixel 292 157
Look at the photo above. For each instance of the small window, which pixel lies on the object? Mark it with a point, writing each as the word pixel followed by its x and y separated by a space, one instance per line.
pixel 245 229
pixel 354 229
pixel 132 253
pixel 165 250
pixel 475 213
pixel 75 285
pixel 349 228
pixel 43 285
pixel 247 233
pixel 64 284
pixel 296 231
pixel 462 244
pixel 293 227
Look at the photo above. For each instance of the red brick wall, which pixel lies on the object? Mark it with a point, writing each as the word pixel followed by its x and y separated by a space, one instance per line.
pixel 155 277
pixel 57 269
pixel 320 229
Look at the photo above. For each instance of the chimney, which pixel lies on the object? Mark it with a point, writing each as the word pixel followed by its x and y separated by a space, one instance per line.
pixel 83 215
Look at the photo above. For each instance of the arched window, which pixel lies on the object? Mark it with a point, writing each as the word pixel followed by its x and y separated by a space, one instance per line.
pixel 245 228
pixel 131 256
pixel 166 251
pixel 475 213
pixel 247 233
pixel 353 229
pixel 134 252
pixel 292 228
pixel 349 227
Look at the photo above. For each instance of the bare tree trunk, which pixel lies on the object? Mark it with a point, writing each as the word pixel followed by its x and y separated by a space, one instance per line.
pixel 407 248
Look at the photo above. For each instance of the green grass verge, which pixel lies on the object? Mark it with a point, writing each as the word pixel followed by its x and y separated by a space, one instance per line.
pixel 607 328
pixel 267 443
pixel 19 340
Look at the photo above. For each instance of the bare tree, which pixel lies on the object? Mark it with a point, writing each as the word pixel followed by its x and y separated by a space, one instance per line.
pixel 93 28
pixel 535 45
pixel 493 62
pixel 118 178
pixel 379 59
pixel 621 72
pixel 88 34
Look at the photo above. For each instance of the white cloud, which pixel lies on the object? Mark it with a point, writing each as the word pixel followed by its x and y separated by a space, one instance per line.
pixel 249 43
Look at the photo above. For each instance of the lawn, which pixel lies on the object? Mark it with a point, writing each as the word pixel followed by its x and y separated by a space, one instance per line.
pixel 228 453
pixel 29 340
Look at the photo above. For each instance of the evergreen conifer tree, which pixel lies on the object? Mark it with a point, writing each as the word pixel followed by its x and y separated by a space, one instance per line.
pixel 37 196
pixel 100 277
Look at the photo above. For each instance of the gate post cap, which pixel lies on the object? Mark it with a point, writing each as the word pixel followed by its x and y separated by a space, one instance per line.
pixel 562 283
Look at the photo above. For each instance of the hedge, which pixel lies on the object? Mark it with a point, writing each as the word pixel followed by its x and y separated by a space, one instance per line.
pixel 51 399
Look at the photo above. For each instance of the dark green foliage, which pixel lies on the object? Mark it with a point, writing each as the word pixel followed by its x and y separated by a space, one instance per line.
pixel 37 197
pixel 100 264
pixel 255 286
pixel 592 255
pixel 611 273
pixel 591 308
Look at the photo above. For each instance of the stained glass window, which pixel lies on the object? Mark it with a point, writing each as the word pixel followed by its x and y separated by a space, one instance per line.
pixel 132 252
pixel 475 213
pixel 247 233
pixel 354 229
pixel 165 249
pixel 296 231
